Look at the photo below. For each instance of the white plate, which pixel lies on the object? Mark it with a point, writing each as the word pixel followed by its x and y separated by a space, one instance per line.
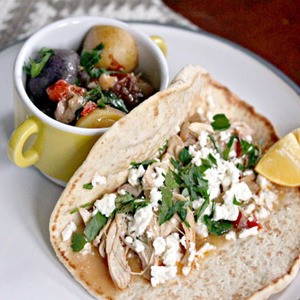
pixel 28 266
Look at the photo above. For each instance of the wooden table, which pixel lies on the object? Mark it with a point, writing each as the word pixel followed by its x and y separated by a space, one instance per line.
pixel 269 28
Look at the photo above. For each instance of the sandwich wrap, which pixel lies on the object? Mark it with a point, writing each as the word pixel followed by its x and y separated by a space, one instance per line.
pixel 246 268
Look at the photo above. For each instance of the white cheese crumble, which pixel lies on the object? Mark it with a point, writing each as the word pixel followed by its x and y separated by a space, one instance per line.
pixel 247 172
pixel 262 182
pixel 159 245
pixel 68 231
pixel 106 205
pixel 98 180
pixel 203 138
pixel 135 175
pixel 122 192
pixel 161 274
pixel 230 236
pixel 172 253
pixel 86 249
pixel 201 229
pixel 248 232
pixel 205 248
pixel 141 220
pixel 159 179
pixel 155 196
pixel 129 239
pixel 225 136
pixel 186 270
pixel 183 241
pixel 138 246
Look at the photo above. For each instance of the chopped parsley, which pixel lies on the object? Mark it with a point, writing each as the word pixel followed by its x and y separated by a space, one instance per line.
pixel 144 163
pixel 220 122
pixel 216 145
pixel 36 66
pixel 163 148
pixel 78 242
pixel 228 147
pixel 185 156
pixel 94 226
pixel 217 227
pixel 88 186
pixel 201 209
pixel 82 206
pixel 129 204
pixel 170 181
pixel 235 202
pixel 89 58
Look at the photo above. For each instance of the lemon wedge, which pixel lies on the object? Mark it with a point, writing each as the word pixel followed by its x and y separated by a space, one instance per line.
pixel 281 163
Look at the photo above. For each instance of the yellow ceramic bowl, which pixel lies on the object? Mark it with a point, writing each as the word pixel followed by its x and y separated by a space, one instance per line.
pixel 58 149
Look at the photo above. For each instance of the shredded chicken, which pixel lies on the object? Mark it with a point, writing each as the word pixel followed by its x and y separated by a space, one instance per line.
pixel 134 190
pixel 197 128
pixel 187 135
pixel 85 215
pixel 65 110
pixel 170 226
pixel 175 146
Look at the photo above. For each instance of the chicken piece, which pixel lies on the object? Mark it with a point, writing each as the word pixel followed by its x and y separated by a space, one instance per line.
pixel 170 226
pixel 85 215
pixel 150 174
pixel 134 190
pixel 188 136
pixel 197 128
pixel 102 232
pixel 119 269
pixel 65 110
pixel 189 235
pixel 175 146
pixel 107 82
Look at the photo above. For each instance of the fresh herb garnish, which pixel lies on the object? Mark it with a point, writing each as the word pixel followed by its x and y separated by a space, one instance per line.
pixel 240 167
pixel 201 209
pixel 94 226
pixel 229 145
pixel 128 204
pixel 113 100
pixel 89 58
pixel 82 206
pixel 217 227
pixel 144 163
pixel 250 150
pixel 212 159
pixel 88 186
pixel 78 242
pixel 182 212
pixel 36 66
pixel 215 145
pixel 163 148
pixel 235 202
pixel 170 181
pixel 185 156
pixel 220 122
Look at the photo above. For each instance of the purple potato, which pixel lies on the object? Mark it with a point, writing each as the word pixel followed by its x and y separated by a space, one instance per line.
pixel 63 64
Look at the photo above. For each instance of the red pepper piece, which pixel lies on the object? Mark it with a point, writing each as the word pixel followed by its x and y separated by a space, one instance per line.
pixel 60 90
pixel 88 108
pixel 238 148
pixel 253 223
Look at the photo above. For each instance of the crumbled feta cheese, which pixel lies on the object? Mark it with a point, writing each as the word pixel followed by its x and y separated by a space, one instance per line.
pixel 106 205
pixel 201 229
pixel 138 246
pixel 248 139
pixel 149 233
pixel 240 190
pixel 141 220
pixel 262 182
pixel 225 136
pixel 230 236
pixel 161 274
pixel 200 111
pixel 183 241
pixel 86 249
pixel 68 231
pixel 205 248
pixel 248 232
pixel 232 154
pixel 249 209
pixel 155 196
pixel 226 211
pixel 172 253
pixel 98 180
pixel 247 172
pixel 159 179
pixel 186 270
pixel 159 245
pixel 203 138
pixel 129 239
pixel 122 192
pixel 192 250
pixel 262 213
pixel 135 175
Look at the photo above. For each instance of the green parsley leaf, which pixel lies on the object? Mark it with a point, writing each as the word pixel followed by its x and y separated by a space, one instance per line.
pixel 94 226
pixel 240 167
pixel 170 182
pixel 201 209
pixel 89 58
pixel 36 66
pixel 82 206
pixel 215 144
pixel 235 202
pixel 78 242
pixel 212 159
pixel 144 163
pixel 163 148
pixel 185 156
pixel 217 227
pixel 88 186
pixel 229 145
pixel 128 204
pixel 220 122
pixel 114 101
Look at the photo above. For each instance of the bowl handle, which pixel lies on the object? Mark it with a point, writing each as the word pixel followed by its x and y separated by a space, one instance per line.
pixel 17 141
pixel 160 42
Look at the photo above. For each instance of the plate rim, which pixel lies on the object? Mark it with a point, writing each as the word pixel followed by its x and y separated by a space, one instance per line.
pixel 200 31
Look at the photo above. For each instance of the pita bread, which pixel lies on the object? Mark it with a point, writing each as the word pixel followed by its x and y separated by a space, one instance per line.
pixel 254 268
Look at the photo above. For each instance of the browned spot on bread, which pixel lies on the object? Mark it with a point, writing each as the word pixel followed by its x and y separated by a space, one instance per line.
pixel 156 111
pixel 53 227
pixel 62 253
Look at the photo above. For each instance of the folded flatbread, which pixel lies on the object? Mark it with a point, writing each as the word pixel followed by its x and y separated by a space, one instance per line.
pixel 254 268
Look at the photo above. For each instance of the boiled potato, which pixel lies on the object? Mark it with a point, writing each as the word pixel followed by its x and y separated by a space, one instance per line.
pixel 119 47
pixel 100 118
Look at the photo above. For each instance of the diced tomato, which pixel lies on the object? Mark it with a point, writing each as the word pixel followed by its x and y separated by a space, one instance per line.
pixel 60 90
pixel 88 108
pixel 242 223
pixel 238 148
